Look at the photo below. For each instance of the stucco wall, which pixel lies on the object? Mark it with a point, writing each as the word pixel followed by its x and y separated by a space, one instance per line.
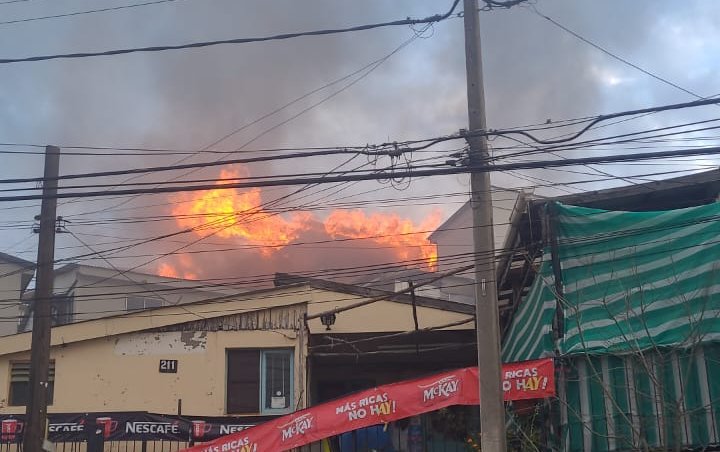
pixel 97 297
pixel 120 373
pixel 381 316
pixel 112 363
pixel 456 237
pixel 10 286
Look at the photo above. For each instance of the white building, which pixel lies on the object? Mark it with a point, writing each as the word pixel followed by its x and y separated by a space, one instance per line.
pixel 15 275
pixel 454 237
pixel 86 292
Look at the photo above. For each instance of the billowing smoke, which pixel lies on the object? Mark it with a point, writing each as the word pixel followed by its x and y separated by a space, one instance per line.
pixel 187 100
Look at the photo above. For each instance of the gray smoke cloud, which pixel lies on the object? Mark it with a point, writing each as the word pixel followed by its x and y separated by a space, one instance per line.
pixel 188 99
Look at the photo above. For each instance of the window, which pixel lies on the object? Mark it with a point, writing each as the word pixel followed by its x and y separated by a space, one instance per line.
pixel 61 309
pixel 276 378
pixel 140 303
pixel 20 383
pixel 259 381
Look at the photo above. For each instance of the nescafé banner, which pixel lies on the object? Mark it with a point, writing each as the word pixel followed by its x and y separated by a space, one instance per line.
pixel 383 404
pixel 129 426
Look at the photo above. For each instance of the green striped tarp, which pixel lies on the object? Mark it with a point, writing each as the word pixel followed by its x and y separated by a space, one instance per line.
pixel 631 281
pixel 659 400
pixel 530 335
pixel 638 280
pixel 640 356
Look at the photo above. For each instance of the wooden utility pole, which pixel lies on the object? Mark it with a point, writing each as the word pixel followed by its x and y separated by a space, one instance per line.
pixel 492 409
pixel 36 412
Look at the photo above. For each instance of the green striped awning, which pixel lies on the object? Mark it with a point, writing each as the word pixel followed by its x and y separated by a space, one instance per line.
pixel 631 281
pixel 638 280
pixel 660 400
pixel 530 335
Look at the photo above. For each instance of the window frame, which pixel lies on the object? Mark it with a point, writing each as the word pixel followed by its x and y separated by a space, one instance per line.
pixel 263 386
pixel 261 374
pixel 144 303
pixel 50 388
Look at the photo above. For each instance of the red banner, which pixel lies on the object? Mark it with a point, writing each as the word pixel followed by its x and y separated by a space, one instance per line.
pixel 528 379
pixel 387 403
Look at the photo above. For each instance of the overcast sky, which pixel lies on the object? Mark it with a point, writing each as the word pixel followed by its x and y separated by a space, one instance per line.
pixel 189 99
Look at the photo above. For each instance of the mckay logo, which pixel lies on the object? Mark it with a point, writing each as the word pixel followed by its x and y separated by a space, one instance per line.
pixel 297 426
pixel 441 389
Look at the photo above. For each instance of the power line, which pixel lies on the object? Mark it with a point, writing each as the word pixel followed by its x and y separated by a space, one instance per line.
pixel 440 259
pixel 189 230
pixel 490 4
pixel 224 224
pixel 223 181
pixel 605 140
pixel 598 119
pixel 228 299
pixel 153 169
pixel 206 149
pixel 381 203
pixel 388 149
pixel 428 20
pixel 217 285
pixel 455 259
pixel 616 57
pixel 361 73
pixel 7 2
pixel 128 278
pixel 79 13
pixel 622 60
pixel 411 172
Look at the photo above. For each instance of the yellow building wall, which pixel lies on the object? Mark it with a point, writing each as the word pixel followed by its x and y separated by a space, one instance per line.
pixel 159 318
pixel 10 285
pixel 94 375
pixel 111 364
pixel 378 317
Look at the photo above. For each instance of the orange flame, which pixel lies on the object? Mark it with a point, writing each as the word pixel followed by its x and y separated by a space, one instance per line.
pixel 410 241
pixel 169 271
pixel 236 213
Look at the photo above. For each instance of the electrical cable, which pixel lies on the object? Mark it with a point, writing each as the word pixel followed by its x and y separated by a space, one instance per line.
pixel 614 56
pixel 7 2
pixel 361 74
pixel 644 230
pixel 297 179
pixel 378 149
pixel 91 11
pixel 428 20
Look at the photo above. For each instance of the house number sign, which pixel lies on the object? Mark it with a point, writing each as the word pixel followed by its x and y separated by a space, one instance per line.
pixel 168 366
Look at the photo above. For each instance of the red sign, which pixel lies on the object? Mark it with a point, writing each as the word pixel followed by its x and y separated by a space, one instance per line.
pixel 525 380
pixel 528 379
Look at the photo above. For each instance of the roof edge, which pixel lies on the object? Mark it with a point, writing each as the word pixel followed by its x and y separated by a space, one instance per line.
pixel 286 279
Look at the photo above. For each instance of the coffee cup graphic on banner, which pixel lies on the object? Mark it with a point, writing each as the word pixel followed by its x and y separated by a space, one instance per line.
pixel 108 425
pixel 10 429
pixel 200 428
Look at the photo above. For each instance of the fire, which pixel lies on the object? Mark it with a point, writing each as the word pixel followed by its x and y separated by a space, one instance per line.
pixel 233 213
pixel 239 215
pixel 408 240
pixel 169 271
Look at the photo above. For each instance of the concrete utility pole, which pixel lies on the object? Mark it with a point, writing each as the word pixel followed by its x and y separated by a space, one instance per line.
pixel 36 412
pixel 492 409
